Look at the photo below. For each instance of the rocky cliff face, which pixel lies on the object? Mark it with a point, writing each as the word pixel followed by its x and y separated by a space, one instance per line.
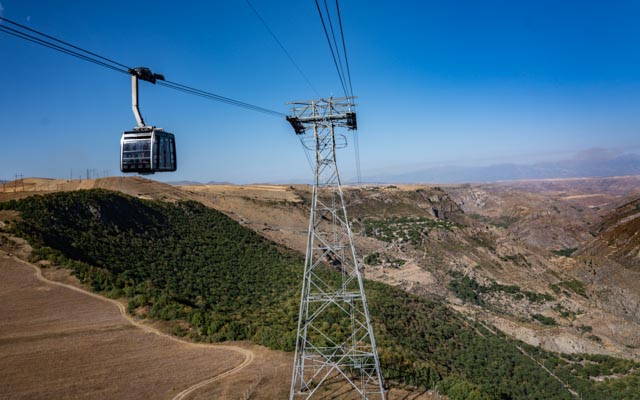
pixel 580 238
pixel 618 237
pixel 610 262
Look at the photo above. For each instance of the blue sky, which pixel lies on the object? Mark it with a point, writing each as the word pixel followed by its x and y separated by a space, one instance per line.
pixel 438 83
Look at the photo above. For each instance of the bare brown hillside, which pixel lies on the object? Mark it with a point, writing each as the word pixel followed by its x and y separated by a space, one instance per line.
pixel 617 237
pixel 134 186
pixel 610 263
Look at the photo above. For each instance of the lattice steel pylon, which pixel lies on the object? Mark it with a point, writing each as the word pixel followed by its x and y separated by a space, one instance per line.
pixel 336 353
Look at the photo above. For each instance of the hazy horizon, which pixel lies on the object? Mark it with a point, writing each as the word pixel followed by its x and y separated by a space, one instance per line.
pixel 595 163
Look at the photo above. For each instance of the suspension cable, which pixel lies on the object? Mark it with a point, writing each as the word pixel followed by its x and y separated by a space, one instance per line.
pixel 344 48
pixel 119 67
pixel 335 62
pixel 216 97
pixel 335 45
pixel 65 43
pixel 55 47
pixel 356 144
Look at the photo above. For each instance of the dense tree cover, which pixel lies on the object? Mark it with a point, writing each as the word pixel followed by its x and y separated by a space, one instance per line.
pixel 566 252
pixel 469 290
pixel 185 261
pixel 543 319
pixel 568 287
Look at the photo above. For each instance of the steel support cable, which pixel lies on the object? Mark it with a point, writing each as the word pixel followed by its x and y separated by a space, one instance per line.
pixel 65 43
pixel 124 69
pixel 33 39
pixel 346 58
pixel 216 97
pixel 273 35
pixel 344 48
pixel 340 75
pixel 335 45
pixel 335 62
pixel 356 144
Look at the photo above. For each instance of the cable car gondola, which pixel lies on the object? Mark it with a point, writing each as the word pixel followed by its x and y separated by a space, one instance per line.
pixel 146 149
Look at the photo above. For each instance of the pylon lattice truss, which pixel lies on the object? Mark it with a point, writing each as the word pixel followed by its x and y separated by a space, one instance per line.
pixel 336 352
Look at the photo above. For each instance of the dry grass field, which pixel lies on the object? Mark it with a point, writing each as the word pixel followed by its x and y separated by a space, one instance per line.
pixel 58 343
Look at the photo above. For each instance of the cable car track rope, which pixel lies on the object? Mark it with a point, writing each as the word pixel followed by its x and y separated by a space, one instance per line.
pixel 335 62
pixel 344 81
pixel 344 48
pixel 53 46
pixel 217 97
pixel 356 144
pixel 335 45
pixel 119 67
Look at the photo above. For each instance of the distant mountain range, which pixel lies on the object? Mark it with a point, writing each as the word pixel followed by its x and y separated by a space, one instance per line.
pixel 595 163
pixel 579 167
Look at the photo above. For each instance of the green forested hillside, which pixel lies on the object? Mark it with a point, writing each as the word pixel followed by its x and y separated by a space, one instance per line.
pixel 185 261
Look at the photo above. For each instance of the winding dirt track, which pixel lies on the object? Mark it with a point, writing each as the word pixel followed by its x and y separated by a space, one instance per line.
pixel 248 355
pixel 248 360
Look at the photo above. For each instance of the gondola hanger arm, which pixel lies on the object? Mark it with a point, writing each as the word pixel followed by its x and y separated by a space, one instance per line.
pixel 146 75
